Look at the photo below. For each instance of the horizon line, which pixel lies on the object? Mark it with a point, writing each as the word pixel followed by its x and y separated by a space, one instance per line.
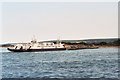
pixel 65 39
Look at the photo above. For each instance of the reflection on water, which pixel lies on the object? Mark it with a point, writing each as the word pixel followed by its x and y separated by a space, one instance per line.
pixel 86 63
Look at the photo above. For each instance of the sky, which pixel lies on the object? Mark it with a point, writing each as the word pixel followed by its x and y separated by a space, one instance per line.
pixel 53 20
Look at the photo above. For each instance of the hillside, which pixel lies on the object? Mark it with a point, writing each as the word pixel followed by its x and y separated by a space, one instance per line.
pixel 88 40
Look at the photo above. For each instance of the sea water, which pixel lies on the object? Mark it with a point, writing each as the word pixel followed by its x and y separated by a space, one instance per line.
pixel 84 63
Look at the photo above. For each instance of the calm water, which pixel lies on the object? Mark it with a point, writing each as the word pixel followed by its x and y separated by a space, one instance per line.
pixel 87 63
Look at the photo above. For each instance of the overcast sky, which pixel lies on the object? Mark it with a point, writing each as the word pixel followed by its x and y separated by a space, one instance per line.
pixel 50 20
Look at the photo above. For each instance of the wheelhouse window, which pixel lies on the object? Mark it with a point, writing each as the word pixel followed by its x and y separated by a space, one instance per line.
pixel 47 44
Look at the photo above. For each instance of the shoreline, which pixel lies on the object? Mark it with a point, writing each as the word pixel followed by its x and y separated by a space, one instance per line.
pixel 109 46
pixel 86 47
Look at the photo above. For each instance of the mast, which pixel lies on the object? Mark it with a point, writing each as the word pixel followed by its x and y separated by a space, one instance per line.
pixel 58 42
pixel 34 39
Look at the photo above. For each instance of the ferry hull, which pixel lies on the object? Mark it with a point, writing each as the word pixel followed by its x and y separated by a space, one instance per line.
pixel 35 50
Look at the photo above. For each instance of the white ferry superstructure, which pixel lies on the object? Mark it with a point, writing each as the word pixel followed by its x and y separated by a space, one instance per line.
pixel 35 46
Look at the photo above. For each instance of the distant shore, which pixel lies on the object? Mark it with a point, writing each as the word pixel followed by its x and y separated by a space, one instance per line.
pixel 74 47
pixel 109 46
pixel 79 46
pixel 82 44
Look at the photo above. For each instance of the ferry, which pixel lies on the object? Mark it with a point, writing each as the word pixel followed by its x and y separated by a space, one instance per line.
pixel 35 46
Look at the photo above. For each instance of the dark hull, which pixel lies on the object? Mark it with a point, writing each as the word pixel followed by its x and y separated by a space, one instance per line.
pixel 35 50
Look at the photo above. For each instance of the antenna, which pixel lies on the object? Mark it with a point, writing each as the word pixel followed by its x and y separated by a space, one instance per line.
pixel 58 40
pixel 34 39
